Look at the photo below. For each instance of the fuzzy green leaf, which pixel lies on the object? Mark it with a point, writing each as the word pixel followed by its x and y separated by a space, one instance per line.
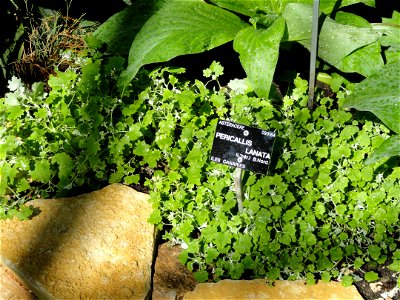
pixel 395 266
pixel 142 149
pixel 132 179
pixel 22 213
pixel 273 273
pixel 65 165
pixel 11 99
pixel 91 145
pixel 336 253
pixel 23 185
pixel 15 84
pixel 155 217
pixel 201 276
pixel 14 112
pixel 63 81
pixel 347 280
pixel 222 240
pixel 243 244
pixel 374 251
pixel 41 172
pixel 371 276
pixel 212 254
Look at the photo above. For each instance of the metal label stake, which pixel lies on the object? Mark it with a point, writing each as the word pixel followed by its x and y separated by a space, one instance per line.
pixel 238 187
pixel 313 54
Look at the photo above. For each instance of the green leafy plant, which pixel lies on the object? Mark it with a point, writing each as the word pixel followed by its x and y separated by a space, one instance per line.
pixel 319 214
pixel 176 28
pixel 379 93
pixel 52 143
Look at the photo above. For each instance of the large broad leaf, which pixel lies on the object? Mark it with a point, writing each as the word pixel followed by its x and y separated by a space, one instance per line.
pixel 388 148
pixel 327 6
pixel 366 60
pixel 346 18
pixel 336 41
pixel 253 7
pixel 119 30
pixel 259 50
pixel 380 94
pixel 390 36
pixel 178 28
pixel 299 22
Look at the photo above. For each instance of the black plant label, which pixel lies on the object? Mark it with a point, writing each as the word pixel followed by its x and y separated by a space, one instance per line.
pixel 241 146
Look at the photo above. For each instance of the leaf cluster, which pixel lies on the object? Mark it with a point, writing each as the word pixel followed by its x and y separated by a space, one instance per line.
pixel 347 41
pixel 53 142
pixel 319 214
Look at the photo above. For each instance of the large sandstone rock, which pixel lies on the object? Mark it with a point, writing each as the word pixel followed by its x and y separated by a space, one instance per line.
pixel 12 288
pixel 94 246
pixel 260 289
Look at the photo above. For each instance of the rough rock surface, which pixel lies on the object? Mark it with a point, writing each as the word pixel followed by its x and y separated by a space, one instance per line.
pixel 94 246
pixel 260 289
pixel 171 279
pixel 12 288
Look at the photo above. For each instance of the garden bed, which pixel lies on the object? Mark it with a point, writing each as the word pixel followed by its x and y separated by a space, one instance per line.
pixel 327 209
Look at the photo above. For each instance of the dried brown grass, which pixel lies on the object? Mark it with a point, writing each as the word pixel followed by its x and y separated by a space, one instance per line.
pixel 43 49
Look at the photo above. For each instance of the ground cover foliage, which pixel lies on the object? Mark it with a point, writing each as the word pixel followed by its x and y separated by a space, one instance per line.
pixel 319 214
pixel 328 208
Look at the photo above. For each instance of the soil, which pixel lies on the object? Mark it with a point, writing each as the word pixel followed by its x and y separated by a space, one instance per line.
pixel 386 288
pixel 171 278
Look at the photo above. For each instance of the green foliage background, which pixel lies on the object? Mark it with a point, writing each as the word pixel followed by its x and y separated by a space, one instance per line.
pixel 319 213
pixel 257 28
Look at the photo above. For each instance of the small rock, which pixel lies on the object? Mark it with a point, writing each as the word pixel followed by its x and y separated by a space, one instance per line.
pixel 260 289
pixel 375 286
pixel 94 246
pixel 392 294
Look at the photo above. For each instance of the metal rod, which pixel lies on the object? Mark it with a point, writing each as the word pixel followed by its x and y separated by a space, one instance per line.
pixel 313 53
pixel 238 188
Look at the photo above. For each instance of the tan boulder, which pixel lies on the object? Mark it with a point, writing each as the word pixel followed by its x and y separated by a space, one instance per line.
pixel 94 246
pixel 260 289
pixel 12 287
